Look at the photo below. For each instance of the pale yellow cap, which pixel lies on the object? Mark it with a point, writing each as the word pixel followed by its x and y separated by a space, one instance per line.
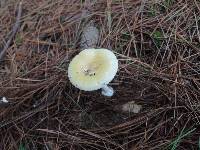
pixel 91 69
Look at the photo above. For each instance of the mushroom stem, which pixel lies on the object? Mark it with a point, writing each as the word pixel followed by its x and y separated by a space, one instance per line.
pixel 107 91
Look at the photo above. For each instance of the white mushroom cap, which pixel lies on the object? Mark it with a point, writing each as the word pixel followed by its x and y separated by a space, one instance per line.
pixel 91 69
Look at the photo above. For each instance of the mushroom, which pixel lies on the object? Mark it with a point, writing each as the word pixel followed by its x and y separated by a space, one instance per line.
pixel 93 69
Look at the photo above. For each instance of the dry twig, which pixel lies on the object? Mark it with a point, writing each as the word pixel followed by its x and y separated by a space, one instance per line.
pixel 13 33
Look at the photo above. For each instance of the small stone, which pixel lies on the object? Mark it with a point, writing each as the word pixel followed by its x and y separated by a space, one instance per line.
pixel 131 107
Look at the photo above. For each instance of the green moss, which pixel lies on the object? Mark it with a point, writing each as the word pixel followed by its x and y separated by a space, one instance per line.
pixel 168 3
pixel 152 11
pixel 158 38
pixel 18 40
pixel 22 147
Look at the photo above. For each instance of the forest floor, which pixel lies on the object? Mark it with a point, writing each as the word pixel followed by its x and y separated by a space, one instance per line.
pixel 157 43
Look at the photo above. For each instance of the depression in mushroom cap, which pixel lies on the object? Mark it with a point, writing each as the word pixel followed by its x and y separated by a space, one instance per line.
pixel 91 69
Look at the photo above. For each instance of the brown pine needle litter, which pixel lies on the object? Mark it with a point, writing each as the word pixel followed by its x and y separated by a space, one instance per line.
pixel 157 43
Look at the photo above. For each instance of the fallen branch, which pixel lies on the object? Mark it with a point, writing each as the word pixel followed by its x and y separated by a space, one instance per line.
pixel 13 33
